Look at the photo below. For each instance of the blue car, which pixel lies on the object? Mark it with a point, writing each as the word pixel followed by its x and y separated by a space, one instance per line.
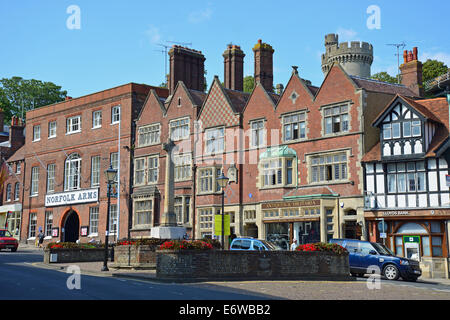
pixel 367 257
pixel 252 245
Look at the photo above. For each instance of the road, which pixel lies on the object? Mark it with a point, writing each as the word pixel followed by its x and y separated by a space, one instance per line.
pixel 19 279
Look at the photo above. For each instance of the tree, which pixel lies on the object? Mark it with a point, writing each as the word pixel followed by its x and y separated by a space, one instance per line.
pixel 18 95
pixel 384 76
pixel 432 69
pixel 249 84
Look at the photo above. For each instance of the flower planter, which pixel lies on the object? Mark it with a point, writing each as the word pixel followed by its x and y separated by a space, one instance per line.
pixel 135 256
pixel 199 265
pixel 64 255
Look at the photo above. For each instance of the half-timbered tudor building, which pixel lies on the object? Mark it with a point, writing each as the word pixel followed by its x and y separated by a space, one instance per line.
pixel 407 194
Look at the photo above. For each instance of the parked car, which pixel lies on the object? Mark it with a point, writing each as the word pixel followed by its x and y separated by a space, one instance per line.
pixel 363 255
pixel 253 244
pixel 7 241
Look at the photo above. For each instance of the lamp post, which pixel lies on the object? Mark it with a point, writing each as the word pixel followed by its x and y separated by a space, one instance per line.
pixel 111 176
pixel 223 182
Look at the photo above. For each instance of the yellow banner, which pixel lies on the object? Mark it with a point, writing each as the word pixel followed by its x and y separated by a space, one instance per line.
pixel 218 225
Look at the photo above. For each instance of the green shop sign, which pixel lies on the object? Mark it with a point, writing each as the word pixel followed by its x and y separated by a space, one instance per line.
pixel 411 239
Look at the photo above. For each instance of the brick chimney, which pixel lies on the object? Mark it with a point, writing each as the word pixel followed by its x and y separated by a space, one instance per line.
pixel 187 65
pixel 411 72
pixel 233 61
pixel 264 65
pixel 16 134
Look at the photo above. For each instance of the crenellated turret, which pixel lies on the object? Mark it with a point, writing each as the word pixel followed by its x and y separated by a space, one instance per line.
pixel 355 58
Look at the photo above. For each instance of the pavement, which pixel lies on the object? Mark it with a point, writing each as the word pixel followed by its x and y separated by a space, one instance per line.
pixel 95 269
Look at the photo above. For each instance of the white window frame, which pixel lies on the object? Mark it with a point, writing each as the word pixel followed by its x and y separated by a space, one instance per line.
pixel 215 140
pixel 48 223
pixel 96 119
pixel 34 188
pixel 183 167
pixel 51 171
pixel 93 221
pixel 149 135
pixel 179 129
pixel 344 110
pixel 8 192
pixel 277 168
pixel 139 171
pixel 32 225
pixel 72 170
pixel 73 124
pixel 115 114
pixel 95 170
pixel 16 191
pixel 36 132
pixel 52 129
pixel 316 171
pixel 153 176
pixel 290 121
pixel 113 219
pixel 146 211
pixel 208 180
pixel 258 133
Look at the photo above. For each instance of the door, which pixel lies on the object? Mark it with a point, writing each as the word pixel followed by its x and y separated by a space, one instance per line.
pixel 71 227
pixel 369 257
pixel 353 254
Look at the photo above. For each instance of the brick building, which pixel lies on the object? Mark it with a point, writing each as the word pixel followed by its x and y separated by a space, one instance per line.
pixel 68 146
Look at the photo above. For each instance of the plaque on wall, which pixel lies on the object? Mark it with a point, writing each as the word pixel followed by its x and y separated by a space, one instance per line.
pixel 232 173
pixel 55 232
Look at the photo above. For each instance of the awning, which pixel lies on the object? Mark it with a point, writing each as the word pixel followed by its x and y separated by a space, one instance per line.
pixel 11 207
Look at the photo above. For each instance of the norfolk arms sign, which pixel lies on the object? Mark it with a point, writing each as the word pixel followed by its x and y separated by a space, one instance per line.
pixel 71 197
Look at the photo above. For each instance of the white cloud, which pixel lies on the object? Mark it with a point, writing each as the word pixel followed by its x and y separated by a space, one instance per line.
pixel 346 34
pixel 200 16
pixel 153 34
pixel 440 56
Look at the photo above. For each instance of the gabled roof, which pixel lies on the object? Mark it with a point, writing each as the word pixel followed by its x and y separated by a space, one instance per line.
pixel 238 99
pixel 272 97
pixel 436 109
pixel 421 109
pixel 195 97
pixel 152 95
pixel 18 155
pixel 310 192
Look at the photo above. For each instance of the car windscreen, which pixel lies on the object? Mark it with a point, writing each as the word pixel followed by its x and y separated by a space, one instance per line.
pixel 382 249
pixel 271 245
pixel 5 233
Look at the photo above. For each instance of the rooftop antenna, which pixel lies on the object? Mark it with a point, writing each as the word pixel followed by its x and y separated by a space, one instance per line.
pixel 165 58
pixel 181 43
pixel 398 45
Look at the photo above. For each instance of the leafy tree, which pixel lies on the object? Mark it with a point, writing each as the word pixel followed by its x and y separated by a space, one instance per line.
pixel 19 95
pixel 249 84
pixel 432 69
pixel 384 76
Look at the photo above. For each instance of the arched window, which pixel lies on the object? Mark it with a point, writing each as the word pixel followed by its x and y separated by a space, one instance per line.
pixel 72 172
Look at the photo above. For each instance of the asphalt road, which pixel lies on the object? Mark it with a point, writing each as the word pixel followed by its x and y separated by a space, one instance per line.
pixel 20 280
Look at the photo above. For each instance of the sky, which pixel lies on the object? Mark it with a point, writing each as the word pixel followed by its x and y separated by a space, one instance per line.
pixel 87 46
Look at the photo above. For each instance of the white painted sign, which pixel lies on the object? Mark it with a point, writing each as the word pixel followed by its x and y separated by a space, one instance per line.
pixel 383 235
pixel 71 197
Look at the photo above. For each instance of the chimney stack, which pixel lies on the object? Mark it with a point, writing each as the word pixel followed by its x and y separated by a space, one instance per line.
pixel 16 136
pixel 264 65
pixel 234 67
pixel 187 65
pixel 411 72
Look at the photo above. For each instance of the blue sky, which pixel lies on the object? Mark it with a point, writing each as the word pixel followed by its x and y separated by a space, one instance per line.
pixel 117 42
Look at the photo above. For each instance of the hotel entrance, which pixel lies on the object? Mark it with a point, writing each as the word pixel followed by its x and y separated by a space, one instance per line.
pixel 71 227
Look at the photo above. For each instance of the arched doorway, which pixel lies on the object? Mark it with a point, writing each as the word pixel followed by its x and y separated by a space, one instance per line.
pixel 71 227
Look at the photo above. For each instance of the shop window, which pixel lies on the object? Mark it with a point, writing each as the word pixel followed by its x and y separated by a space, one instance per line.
pixel 436 246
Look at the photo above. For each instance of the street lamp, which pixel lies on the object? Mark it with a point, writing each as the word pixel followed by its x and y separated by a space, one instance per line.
pixel 111 177
pixel 222 181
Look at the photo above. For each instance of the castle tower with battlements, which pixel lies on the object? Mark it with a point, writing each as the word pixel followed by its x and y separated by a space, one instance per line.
pixel 356 58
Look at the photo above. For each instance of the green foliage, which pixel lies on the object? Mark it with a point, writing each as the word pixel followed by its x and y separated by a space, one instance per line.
pixel 432 69
pixel 141 242
pixel 249 84
pixel 18 94
pixel 384 76
pixel 73 245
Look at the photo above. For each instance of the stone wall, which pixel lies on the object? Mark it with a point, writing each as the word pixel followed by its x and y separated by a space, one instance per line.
pixel 142 256
pixel 247 265
pixel 73 255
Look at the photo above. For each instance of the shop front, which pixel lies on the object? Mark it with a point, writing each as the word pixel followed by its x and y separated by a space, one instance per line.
pixel 10 218
pixel 421 235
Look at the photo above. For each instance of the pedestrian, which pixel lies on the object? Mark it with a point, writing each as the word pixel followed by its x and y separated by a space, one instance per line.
pixel 41 237
pixel 294 245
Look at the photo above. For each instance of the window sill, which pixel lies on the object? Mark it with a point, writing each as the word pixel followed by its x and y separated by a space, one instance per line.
pixel 51 137
pixel 331 182
pixel 99 127
pixel 277 187
pixel 209 193
pixel 72 132
pixel 92 235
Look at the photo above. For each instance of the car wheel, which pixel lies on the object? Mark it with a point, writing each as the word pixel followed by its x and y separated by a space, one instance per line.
pixel 391 272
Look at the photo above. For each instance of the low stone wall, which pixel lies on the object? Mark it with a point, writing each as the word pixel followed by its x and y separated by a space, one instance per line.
pixel 139 257
pixel 251 265
pixel 73 255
